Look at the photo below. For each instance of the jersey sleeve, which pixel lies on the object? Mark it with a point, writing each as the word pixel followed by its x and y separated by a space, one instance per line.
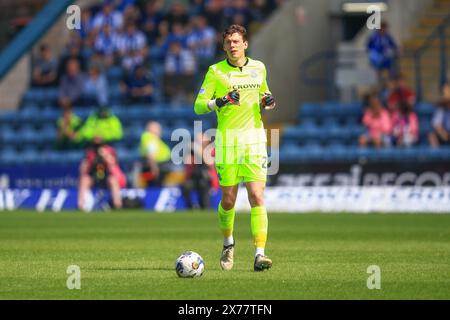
pixel 264 86
pixel 206 93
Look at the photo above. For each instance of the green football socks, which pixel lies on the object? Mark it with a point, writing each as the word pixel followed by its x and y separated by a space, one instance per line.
pixel 226 221
pixel 259 226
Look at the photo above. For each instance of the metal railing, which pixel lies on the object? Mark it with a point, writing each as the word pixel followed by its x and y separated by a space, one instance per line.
pixel 30 34
pixel 329 60
pixel 438 33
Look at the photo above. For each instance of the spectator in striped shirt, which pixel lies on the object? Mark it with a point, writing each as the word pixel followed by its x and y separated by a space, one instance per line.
pixel 202 42
pixel 108 15
pixel 106 44
pixel 179 74
pixel 132 47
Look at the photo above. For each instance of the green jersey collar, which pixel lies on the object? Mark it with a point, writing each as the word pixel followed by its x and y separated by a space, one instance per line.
pixel 232 65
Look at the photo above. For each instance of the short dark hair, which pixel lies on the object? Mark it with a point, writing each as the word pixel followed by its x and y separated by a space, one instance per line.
pixel 235 28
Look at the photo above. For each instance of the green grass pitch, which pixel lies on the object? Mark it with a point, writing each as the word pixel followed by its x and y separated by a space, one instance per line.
pixel 131 255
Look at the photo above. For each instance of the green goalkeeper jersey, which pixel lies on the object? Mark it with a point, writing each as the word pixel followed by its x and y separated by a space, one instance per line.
pixel 236 124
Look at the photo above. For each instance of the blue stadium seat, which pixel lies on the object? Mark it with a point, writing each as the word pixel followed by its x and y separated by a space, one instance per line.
pixel 9 136
pixel 437 154
pixel 48 132
pixel 72 156
pixel 9 155
pixel 181 123
pixel 330 122
pixel 114 92
pixel 30 114
pixel 127 155
pixel 28 135
pixel 114 74
pixel 285 145
pixel 339 152
pixel 9 117
pixel 132 135
pixel 349 120
pixel 82 112
pixel 291 153
pixel 51 157
pixel 424 109
pixel 35 95
pixel 138 125
pixel 425 126
pixel 292 133
pixel 309 110
pixel 308 122
pixel 29 105
pixel 49 114
pixel 29 155
pixel 50 95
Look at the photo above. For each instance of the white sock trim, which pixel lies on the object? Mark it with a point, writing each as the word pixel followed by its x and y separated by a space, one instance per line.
pixel 228 241
pixel 259 251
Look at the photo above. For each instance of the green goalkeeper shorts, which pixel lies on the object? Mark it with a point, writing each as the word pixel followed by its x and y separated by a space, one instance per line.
pixel 234 163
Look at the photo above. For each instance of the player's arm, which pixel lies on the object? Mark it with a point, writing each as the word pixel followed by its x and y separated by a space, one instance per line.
pixel 202 104
pixel 205 101
pixel 267 99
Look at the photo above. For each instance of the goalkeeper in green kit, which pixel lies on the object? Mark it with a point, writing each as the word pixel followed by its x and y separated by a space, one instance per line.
pixel 236 89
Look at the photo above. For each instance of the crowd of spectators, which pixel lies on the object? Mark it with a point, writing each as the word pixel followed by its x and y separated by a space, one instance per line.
pixel 389 116
pixel 171 42
pixel 440 134
pixel 162 48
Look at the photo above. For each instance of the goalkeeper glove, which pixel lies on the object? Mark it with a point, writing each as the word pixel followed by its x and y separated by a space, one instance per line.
pixel 267 101
pixel 231 98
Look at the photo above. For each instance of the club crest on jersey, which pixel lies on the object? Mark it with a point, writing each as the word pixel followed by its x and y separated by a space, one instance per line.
pixel 253 74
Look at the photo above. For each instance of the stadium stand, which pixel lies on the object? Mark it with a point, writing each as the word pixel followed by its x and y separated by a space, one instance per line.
pixel 28 135
pixel 325 131
pixel 329 132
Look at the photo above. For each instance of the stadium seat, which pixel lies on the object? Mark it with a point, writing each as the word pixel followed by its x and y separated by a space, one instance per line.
pixel 9 117
pixel 49 114
pixel 48 131
pixel 72 157
pixel 9 155
pixel 28 134
pixel 9 136
pixel 350 120
pixel 30 114
pixel 114 74
pixel 291 153
pixel 51 157
pixel 50 95
pixel 28 156
pixel 330 122
pixel 308 122
pixel 425 109
pixel 127 155
pixel 309 110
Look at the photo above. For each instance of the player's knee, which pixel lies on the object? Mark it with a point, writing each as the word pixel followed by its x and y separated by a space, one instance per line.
pixel 256 198
pixel 228 202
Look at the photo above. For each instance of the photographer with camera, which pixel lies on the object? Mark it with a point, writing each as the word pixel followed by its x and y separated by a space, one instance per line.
pixel 100 169
pixel 200 173
pixel 155 155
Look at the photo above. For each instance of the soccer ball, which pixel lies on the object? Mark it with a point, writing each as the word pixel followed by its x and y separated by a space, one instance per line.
pixel 189 265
